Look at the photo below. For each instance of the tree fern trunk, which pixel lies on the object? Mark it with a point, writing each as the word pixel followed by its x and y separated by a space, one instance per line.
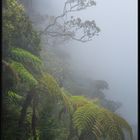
pixel 72 131
pixel 22 117
pixel 34 120
pixel 82 137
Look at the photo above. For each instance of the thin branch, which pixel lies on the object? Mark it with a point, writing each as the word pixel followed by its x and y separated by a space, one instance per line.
pixel 65 13
pixel 73 26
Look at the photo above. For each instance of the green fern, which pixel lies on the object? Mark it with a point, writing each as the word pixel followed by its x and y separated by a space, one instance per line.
pixel 83 117
pixel 79 101
pixel 23 73
pixel 49 85
pixel 65 96
pixel 109 127
pixel 122 123
pixel 14 97
pixel 101 122
pixel 22 55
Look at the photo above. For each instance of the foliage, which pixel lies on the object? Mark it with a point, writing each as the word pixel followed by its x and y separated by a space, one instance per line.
pixel 101 122
pixel 65 95
pixel 14 97
pixel 23 73
pixel 25 56
pixel 79 101
pixel 49 84
pixel 50 126
pixel 53 64
pixel 18 30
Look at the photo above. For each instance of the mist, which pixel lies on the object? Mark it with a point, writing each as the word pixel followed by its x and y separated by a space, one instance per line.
pixel 111 56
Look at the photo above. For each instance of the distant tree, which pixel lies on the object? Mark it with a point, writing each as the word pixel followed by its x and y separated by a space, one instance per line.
pixel 98 87
pixel 111 105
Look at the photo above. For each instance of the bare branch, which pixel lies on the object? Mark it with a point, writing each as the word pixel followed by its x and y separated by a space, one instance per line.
pixel 74 28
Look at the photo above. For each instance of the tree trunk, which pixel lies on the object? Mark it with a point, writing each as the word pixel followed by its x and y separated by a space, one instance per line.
pixel 23 113
pixel 81 137
pixel 34 120
pixel 72 131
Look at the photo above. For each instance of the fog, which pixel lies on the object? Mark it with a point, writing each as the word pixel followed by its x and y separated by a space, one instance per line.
pixel 111 56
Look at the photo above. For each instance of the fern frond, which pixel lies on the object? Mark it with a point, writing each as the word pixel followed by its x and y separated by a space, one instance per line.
pixel 109 127
pixel 23 73
pixel 79 101
pixel 49 85
pixel 65 96
pixel 22 55
pixel 14 97
pixel 101 122
pixel 122 123
pixel 83 118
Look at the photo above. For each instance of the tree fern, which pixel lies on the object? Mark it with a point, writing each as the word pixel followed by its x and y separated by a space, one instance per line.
pixel 66 100
pixel 83 117
pixel 109 127
pixel 24 74
pixel 101 122
pixel 79 101
pixel 122 123
pixel 22 55
pixel 49 85
pixel 14 97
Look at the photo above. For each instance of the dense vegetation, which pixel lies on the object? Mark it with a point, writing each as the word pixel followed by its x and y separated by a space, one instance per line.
pixel 37 102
